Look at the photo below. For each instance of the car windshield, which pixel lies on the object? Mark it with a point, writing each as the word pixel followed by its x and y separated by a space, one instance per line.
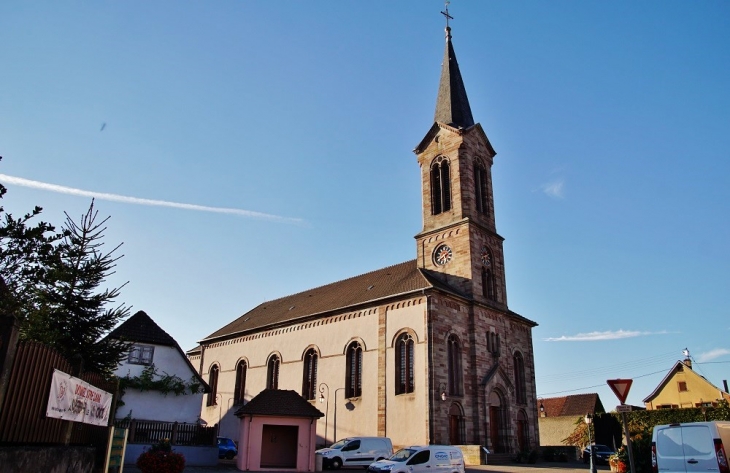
pixel 402 455
pixel 340 444
pixel 602 448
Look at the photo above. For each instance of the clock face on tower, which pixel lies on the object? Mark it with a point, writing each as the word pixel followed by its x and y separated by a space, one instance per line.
pixel 486 259
pixel 442 254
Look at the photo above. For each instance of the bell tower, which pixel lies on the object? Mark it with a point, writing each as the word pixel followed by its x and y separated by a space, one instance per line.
pixel 459 243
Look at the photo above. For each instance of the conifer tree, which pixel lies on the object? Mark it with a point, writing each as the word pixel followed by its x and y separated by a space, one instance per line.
pixel 72 314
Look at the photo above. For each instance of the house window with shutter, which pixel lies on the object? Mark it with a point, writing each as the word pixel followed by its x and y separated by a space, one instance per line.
pixel 141 355
pixel 682 386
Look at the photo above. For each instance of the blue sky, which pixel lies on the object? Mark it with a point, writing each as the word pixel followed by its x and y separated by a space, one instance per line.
pixel 251 150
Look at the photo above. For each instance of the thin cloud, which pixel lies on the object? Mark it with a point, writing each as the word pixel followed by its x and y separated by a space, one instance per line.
pixel 712 354
pixel 554 189
pixel 597 336
pixel 19 181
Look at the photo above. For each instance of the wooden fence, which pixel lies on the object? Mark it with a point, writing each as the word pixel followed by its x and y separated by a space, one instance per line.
pixel 23 416
pixel 177 433
pixel 27 369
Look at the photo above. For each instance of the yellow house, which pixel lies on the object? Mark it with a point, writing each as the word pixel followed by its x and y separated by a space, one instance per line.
pixel 682 387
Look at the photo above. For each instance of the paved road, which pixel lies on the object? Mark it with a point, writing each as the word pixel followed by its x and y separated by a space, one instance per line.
pixel 225 466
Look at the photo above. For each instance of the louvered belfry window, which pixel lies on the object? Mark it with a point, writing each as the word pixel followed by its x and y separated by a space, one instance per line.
pixel 440 186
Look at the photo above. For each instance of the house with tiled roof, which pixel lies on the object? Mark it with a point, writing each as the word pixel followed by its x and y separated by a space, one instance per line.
pixel 682 387
pixel 278 431
pixel 424 352
pixel 154 351
pixel 558 415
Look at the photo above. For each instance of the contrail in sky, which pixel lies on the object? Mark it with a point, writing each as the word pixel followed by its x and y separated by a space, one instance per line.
pixel 19 181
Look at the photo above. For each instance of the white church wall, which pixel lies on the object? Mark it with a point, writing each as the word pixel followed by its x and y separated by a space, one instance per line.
pixel 407 414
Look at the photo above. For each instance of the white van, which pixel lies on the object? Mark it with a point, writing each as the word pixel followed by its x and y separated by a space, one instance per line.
pixel 422 459
pixel 356 451
pixel 690 447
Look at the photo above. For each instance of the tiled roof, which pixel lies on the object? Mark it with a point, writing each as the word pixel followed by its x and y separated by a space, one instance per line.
pixel 390 281
pixel 141 328
pixel 348 294
pixel 279 402
pixel 574 405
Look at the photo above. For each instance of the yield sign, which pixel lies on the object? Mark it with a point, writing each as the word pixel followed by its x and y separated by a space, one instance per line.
pixel 620 387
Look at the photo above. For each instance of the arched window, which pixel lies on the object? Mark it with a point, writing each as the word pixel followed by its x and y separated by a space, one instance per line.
pixel 272 372
pixel 480 188
pixel 404 364
pixel 353 381
pixel 309 382
pixel 493 343
pixel 454 360
pixel 520 387
pixel 440 186
pixel 213 383
pixel 240 389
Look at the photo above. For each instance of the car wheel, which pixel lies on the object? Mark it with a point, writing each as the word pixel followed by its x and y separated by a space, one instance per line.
pixel 230 455
pixel 336 463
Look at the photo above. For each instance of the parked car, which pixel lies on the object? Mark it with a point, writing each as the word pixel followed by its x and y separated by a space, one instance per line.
pixel 690 447
pixel 356 451
pixel 600 455
pixel 422 459
pixel 227 448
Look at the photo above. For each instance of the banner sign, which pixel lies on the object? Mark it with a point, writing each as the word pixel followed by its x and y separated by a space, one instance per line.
pixel 78 401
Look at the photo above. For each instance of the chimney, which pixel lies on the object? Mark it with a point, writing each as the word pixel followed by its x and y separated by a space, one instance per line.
pixel 687 361
pixel 724 383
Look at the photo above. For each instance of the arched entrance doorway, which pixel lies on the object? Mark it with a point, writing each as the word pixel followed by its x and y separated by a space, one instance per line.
pixel 456 425
pixel 497 423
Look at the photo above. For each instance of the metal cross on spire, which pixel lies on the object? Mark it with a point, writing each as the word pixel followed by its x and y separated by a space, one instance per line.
pixel 446 13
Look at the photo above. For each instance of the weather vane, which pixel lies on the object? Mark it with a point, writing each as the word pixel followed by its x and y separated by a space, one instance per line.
pixel 446 13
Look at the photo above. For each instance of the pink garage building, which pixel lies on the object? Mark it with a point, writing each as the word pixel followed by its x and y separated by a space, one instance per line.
pixel 278 432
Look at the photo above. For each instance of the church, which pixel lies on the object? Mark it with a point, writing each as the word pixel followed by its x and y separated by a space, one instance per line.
pixel 425 351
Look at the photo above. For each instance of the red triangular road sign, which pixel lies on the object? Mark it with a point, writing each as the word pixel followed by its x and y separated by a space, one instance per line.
pixel 620 387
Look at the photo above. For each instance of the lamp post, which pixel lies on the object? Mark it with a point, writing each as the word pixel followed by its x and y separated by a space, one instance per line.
pixel 589 418
pixel 326 408
pixel 335 422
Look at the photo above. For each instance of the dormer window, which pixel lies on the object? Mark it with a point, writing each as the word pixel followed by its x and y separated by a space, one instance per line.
pixel 141 355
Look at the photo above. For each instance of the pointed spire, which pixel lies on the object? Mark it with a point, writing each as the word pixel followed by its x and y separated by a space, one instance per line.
pixel 452 105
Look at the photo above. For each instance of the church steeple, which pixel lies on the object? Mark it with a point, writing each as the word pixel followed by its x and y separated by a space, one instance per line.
pixel 459 240
pixel 452 105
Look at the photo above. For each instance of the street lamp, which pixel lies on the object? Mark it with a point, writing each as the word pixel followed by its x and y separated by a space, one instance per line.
pixel 327 407
pixel 589 418
pixel 335 422
pixel 442 390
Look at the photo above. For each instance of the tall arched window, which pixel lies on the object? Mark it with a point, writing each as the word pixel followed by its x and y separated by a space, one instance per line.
pixel 213 383
pixel 353 381
pixel 520 387
pixel 309 381
pixel 480 188
pixel 454 360
pixel 272 373
pixel 440 186
pixel 240 389
pixel 404 364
